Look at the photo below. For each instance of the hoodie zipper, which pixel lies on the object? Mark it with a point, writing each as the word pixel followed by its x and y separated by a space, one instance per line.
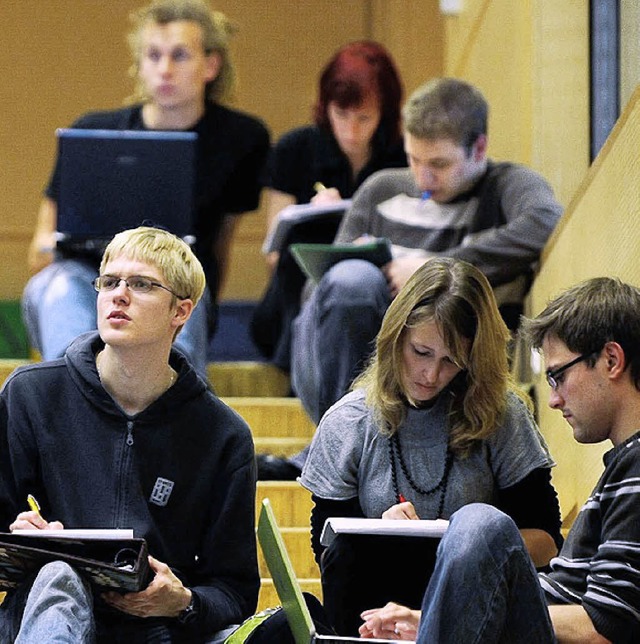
pixel 129 439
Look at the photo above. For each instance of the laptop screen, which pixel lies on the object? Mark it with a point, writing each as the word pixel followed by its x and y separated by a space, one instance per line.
pixel 112 180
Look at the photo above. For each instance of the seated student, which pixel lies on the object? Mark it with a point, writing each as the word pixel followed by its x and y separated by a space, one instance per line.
pixel 181 58
pixel 122 433
pixel 434 423
pixel 590 337
pixel 356 132
pixel 496 216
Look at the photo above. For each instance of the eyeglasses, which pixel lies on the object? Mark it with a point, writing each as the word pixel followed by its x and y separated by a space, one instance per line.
pixel 552 375
pixel 135 283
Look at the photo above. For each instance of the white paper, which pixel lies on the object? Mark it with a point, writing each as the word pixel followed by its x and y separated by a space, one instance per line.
pixel 81 533
pixel 388 527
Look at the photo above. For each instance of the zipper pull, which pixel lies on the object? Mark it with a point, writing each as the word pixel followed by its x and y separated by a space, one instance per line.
pixel 129 433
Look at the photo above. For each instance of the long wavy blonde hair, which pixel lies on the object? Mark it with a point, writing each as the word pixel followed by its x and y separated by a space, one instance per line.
pixel 458 298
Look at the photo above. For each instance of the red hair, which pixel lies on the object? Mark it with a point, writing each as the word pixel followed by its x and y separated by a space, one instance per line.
pixel 357 71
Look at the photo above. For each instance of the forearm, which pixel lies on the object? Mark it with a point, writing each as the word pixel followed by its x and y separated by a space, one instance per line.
pixel 572 625
pixel 42 244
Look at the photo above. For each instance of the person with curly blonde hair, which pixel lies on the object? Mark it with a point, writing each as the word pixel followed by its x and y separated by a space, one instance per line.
pixel 184 75
pixel 434 423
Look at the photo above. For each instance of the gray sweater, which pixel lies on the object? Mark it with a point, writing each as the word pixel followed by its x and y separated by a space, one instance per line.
pixel 500 226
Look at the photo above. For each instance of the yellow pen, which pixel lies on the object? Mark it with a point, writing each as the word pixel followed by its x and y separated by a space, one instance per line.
pixel 319 187
pixel 33 504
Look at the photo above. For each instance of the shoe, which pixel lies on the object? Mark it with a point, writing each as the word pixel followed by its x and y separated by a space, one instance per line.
pixel 276 468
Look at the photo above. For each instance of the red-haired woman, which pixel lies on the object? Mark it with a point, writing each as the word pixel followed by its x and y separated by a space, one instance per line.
pixel 356 132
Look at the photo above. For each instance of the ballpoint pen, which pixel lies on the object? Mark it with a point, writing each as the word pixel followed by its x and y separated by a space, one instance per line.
pixel 33 504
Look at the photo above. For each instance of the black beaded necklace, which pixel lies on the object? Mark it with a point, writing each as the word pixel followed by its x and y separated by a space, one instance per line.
pixel 395 450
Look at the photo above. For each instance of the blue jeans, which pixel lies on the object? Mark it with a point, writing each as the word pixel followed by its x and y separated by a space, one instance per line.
pixel 334 333
pixel 59 304
pixel 57 608
pixel 484 589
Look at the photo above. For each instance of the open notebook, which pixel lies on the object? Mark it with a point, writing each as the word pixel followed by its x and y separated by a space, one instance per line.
pixel 287 586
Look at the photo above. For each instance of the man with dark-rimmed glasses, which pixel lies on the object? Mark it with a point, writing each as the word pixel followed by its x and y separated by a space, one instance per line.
pixel 484 588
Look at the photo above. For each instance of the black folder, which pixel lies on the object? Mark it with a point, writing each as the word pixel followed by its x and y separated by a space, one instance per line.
pixel 108 564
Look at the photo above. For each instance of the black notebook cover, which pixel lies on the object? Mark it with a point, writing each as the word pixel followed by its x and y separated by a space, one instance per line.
pixel 108 564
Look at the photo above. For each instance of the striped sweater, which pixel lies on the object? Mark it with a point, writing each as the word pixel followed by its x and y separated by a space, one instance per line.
pixel 599 564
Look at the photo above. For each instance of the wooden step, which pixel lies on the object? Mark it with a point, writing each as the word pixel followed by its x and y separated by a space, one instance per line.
pixel 7 366
pixel 227 378
pixel 290 501
pixel 268 596
pixel 279 446
pixel 248 379
pixel 274 417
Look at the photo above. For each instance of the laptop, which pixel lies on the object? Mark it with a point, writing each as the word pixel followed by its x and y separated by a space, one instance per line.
pixel 113 180
pixel 287 586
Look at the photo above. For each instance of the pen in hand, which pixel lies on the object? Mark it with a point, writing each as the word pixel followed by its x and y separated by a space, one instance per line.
pixel 34 505
pixel 318 186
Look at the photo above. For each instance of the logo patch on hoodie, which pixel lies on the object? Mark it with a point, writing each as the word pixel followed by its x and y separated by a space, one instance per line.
pixel 161 491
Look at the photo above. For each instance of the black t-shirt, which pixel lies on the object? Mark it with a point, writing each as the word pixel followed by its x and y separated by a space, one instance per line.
pixel 231 155
pixel 308 154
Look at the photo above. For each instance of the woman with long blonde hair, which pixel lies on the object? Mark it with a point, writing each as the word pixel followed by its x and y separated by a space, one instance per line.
pixel 435 422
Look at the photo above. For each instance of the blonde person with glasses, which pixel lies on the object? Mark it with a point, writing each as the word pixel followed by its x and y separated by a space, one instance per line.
pixel 121 433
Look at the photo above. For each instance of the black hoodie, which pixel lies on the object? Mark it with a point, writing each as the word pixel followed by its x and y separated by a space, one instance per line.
pixel 180 473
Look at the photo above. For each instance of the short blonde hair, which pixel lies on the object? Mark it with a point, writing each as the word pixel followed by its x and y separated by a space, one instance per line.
pixel 217 31
pixel 180 268
pixel 459 299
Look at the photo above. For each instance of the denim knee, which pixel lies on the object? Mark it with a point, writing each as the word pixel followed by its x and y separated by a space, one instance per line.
pixel 353 279
pixel 479 524
pixel 58 572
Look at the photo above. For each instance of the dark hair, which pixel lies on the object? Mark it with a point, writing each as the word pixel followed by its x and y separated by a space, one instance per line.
pixel 358 70
pixel 590 314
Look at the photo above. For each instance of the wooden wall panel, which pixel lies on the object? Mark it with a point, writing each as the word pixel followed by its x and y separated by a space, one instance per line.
pixel 413 30
pixel 73 57
pixel 530 59
pixel 598 235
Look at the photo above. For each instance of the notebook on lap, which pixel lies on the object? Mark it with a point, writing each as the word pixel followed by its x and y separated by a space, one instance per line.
pixel 112 180
pixel 287 586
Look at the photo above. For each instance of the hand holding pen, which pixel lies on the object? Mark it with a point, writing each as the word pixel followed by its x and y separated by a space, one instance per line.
pixel 324 194
pixel 33 519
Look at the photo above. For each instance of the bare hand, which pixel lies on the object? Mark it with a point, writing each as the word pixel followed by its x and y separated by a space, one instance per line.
pixel 399 270
pixel 392 622
pixel 329 195
pixel 31 520
pixel 165 596
pixel 404 510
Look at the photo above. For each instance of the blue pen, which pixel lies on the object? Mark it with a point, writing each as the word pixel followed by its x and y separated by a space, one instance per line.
pixel 426 194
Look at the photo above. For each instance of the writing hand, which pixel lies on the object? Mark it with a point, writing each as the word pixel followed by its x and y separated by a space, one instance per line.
pixel 165 596
pixel 328 195
pixel 32 520
pixel 393 622
pixel 399 270
pixel 404 510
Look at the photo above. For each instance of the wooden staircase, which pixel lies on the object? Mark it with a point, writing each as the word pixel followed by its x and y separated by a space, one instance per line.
pixel 258 392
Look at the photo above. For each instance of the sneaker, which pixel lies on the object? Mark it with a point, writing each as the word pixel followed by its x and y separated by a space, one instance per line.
pixel 276 468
